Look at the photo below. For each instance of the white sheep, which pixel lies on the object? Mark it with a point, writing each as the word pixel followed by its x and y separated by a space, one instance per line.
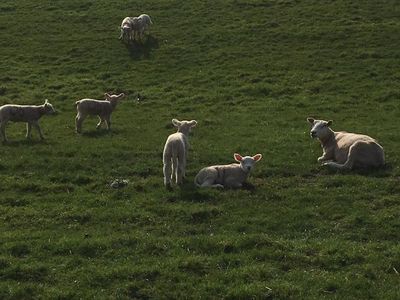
pixel 343 150
pixel 227 176
pixel 127 33
pixel 144 24
pixel 100 108
pixel 24 113
pixel 176 151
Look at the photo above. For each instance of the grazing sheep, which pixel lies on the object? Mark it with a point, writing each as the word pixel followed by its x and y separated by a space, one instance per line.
pixel 229 176
pixel 100 108
pixel 24 113
pixel 176 151
pixel 343 150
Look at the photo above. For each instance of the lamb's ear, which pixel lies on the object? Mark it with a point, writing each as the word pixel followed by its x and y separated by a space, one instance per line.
pixel 311 120
pixel 193 123
pixel 107 95
pixel 237 157
pixel 257 157
pixel 329 123
pixel 121 95
pixel 176 122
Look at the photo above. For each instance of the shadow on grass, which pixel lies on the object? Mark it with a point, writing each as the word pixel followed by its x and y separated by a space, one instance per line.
pixel 385 171
pixel 25 142
pixel 138 50
pixel 100 132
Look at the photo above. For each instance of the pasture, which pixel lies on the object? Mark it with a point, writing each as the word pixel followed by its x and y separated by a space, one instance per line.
pixel 250 72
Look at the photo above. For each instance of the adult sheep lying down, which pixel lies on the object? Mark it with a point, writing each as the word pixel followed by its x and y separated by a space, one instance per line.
pixel 344 150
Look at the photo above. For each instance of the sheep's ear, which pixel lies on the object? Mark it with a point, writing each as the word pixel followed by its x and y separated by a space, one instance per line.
pixel 46 101
pixel 176 122
pixel 107 95
pixel 311 120
pixel 237 157
pixel 329 123
pixel 257 157
pixel 193 123
pixel 121 95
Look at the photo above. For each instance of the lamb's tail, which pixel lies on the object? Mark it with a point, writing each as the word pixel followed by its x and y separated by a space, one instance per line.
pixel 77 103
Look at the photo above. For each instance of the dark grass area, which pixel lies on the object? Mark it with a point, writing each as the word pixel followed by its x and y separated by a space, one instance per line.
pixel 249 72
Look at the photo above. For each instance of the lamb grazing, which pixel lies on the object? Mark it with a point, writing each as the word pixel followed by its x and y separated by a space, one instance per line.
pixel 176 152
pixel 343 150
pixel 24 113
pixel 100 108
pixel 227 176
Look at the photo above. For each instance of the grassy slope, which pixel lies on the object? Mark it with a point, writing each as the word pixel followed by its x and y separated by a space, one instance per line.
pixel 250 73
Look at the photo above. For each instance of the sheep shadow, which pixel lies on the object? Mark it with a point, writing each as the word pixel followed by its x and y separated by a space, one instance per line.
pixel 138 50
pixel 378 172
pixel 100 133
pixel 25 142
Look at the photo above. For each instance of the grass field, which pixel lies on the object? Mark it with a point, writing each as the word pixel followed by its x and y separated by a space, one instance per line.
pixel 250 72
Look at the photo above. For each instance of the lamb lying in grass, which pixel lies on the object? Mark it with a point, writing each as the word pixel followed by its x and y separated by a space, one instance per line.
pixel 24 113
pixel 227 176
pixel 176 151
pixel 100 108
pixel 343 150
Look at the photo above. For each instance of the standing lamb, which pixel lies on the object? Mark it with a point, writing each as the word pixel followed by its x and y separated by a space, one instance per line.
pixel 100 108
pixel 144 24
pixel 24 113
pixel 229 176
pixel 343 150
pixel 127 33
pixel 176 151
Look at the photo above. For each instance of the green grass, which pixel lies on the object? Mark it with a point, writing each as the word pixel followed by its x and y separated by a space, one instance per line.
pixel 250 72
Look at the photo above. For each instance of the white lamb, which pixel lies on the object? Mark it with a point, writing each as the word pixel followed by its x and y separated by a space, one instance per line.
pixel 24 113
pixel 100 108
pixel 227 176
pixel 176 152
pixel 127 33
pixel 344 150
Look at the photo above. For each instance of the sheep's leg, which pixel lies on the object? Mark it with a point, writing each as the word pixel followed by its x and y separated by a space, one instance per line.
pixel 108 122
pixel 210 183
pixel 78 122
pixel 36 125
pixel 179 172
pixel 3 131
pixel 100 122
pixel 28 130
pixel 174 169
pixel 351 158
pixel 167 172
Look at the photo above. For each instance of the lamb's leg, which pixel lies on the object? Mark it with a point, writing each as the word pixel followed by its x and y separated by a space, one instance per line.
pixel 108 122
pixel 179 172
pixel 28 130
pixel 36 125
pixel 210 183
pixel 78 122
pixel 167 173
pixel 174 169
pixel 3 131
pixel 100 122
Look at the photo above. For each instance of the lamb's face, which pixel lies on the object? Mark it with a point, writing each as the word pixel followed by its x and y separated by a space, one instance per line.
pixel 48 108
pixel 184 126
pixel 114 98
pixel 319 128
pixel 247 162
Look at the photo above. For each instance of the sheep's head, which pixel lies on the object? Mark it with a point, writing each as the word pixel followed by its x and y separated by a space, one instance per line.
pixel 184 126
pixel 48 108
pixel 320 128
pixel 114 98
pixel 247 162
